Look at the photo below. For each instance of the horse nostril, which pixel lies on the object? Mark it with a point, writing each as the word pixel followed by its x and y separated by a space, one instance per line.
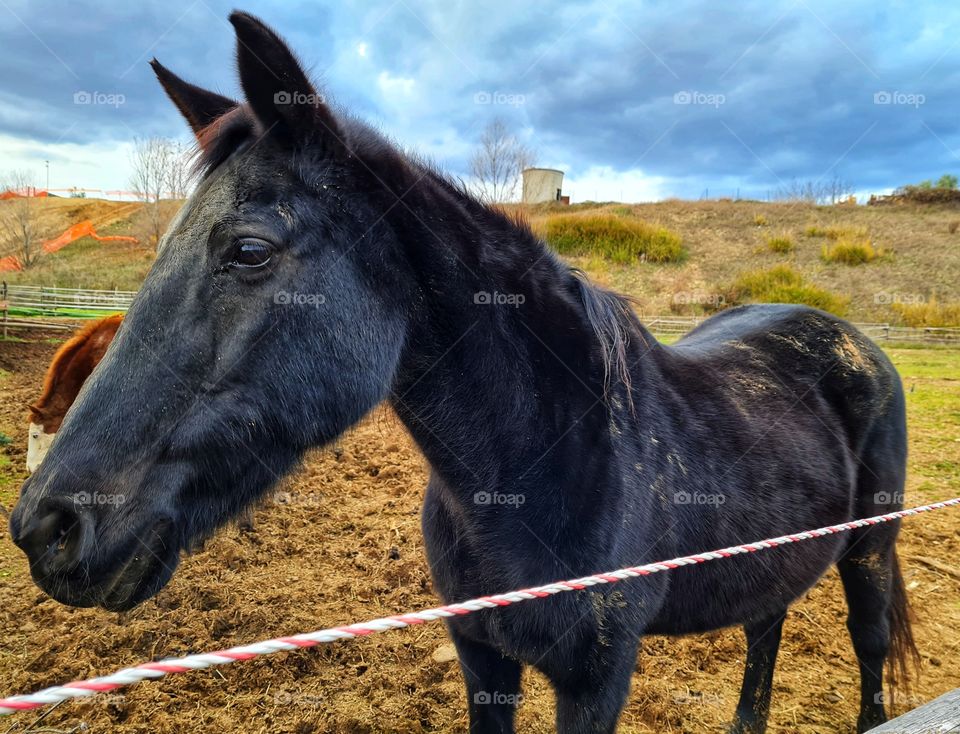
pixel 55 541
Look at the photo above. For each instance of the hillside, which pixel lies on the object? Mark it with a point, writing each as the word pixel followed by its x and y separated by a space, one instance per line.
pixel 919 257
pixel 87 263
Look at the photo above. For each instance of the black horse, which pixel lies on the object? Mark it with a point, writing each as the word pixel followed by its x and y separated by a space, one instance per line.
pixel 317 271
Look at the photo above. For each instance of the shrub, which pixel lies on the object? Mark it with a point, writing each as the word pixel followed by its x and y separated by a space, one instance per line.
pixel 932 313
pixel 953 226
pixel 781 243
pixel 836 233
pixel 783 284
pixel 759 220
pixel 616 238
pixel 849 252
pixel 947 181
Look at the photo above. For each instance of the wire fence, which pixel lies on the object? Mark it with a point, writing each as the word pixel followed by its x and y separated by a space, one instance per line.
pixel 188 663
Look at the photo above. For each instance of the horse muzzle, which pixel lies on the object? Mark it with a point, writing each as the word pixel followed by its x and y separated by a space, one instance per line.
pixel 78 567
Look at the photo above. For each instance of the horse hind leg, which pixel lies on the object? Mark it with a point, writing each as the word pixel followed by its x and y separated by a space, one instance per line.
pixel 878 618
pixel 878 610
pixel 763 643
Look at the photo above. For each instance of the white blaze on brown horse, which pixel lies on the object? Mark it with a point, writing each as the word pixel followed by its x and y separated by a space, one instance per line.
pixel 69 369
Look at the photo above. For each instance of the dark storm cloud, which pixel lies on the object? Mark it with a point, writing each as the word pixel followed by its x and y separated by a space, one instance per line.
pixel 705 95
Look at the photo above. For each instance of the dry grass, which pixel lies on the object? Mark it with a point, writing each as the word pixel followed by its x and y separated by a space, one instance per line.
pixel 930 313
pixel 722 240
pixel 759 220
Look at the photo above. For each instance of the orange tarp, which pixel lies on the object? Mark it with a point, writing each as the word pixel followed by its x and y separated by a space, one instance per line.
pixel 81 229
pixel 10 264
pixel 11 194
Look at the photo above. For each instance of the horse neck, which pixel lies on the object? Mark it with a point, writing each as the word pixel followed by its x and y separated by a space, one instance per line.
pixel 67 374
pixel 502 383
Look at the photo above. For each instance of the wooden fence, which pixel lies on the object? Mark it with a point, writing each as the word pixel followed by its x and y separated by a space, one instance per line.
pixel 678 325
pixel 34 300
pixel 23 303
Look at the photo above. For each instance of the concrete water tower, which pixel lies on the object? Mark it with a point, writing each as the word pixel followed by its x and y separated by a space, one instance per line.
pixel 542 184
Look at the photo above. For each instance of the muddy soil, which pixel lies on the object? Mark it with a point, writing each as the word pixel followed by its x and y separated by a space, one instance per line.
pixel 341 542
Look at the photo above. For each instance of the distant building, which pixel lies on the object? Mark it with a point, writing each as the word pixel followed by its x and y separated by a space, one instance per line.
pixel 541 185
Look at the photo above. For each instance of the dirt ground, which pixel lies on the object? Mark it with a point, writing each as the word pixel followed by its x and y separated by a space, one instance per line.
pixel 341 542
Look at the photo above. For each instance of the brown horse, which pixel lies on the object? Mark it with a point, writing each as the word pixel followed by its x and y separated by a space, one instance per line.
pixel 69 369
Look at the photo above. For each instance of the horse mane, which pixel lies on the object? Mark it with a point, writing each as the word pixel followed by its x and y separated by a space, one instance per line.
pixel 608 314
pixel 67 352
pixel 613 322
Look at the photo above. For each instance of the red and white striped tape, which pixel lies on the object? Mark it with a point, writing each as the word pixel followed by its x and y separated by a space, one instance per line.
pixel 152 671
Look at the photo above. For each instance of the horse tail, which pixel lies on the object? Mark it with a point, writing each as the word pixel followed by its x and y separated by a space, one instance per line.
pixel 904 657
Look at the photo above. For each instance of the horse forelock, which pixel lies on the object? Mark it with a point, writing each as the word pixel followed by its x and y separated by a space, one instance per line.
pixel 223 137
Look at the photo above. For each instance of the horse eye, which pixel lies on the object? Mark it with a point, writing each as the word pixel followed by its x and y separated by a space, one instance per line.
pixel 251 253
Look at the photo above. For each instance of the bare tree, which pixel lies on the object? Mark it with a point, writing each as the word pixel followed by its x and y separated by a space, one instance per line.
pixel 178 172
pixel 20 230
pixel 498 162
pixel 159 172
pixel 832 191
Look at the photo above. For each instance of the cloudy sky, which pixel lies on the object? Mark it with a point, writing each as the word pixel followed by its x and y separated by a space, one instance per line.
pixel 634 100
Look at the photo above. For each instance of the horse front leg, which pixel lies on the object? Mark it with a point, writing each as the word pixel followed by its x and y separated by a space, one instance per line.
pixel 592 688
pixel 763 643
pixel 493 685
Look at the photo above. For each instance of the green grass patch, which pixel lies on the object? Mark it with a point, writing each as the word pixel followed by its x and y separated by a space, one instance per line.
pixel 783 284
pixel 836 233
pixel 616 238
pixel 933 416
pixel 849 252
pixel 780 243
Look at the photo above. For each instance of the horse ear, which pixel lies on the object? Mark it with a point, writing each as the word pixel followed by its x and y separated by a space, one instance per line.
pixel 277 88
pixel 199 106
pixel 36 413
